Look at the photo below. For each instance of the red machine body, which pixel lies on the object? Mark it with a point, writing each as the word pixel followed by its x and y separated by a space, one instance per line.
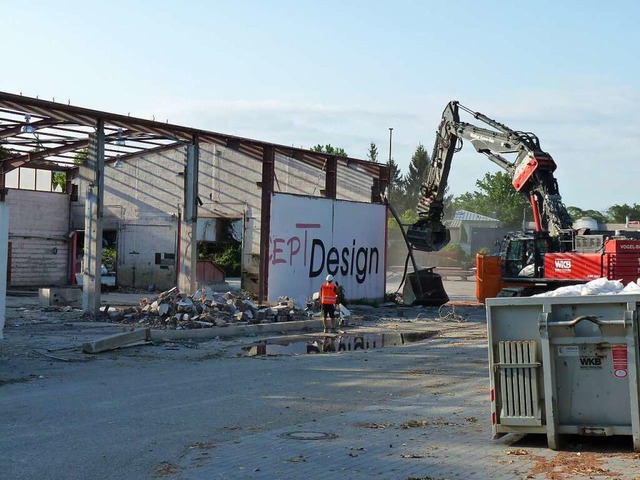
pixel 620 260
pixel 526 169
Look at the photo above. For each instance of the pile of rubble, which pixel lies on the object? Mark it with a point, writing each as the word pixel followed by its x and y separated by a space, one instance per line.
pixel 173 309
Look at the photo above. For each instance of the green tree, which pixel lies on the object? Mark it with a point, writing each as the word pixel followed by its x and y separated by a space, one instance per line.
pixel 619 213
pixel 59 179
pixel 396 185
pixel 109 256
pixel 407 217
pixel 81 156
pixel 372 154
pixel 229 260
pixel 226 252
pixel 330 149
pixel 418 168
pixel 577 213
pixel 495 198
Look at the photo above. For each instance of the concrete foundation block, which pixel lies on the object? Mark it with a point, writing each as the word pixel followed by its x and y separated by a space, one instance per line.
pixel 59 296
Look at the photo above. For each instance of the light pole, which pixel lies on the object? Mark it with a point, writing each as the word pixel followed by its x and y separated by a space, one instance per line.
pixel 390 137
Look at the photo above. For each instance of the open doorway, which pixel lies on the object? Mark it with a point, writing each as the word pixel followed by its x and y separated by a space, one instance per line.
pixel 109 258
pixel 219 244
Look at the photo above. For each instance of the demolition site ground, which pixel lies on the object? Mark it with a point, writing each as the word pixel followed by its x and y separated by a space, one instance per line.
pixel 400 393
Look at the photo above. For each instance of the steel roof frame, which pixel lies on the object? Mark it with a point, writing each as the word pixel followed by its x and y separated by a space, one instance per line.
pixel 36 133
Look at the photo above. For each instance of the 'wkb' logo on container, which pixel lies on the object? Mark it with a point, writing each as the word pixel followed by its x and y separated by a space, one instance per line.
pixel 590 361
pixel 563 264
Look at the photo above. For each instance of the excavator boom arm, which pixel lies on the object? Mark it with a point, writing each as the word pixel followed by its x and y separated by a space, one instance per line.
pixel 531 172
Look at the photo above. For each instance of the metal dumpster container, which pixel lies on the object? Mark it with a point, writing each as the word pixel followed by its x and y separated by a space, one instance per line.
pixel 564 365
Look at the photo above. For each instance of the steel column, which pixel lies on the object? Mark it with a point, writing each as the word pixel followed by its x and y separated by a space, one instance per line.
pixel 331 178
pixel 91 285
pixel 268 161
pixel 188 242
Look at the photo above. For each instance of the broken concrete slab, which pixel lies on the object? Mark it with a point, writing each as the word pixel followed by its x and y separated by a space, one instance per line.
pixel 119 340
pixel 163 309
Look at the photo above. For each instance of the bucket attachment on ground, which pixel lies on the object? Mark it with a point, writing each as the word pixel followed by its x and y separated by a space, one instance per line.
pixel 424 287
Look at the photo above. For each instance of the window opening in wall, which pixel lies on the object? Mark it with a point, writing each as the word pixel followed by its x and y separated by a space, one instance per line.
pixel 223 247
pixel 36 179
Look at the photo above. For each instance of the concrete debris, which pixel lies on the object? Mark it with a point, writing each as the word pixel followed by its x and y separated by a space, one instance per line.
pixel 206 308
pixel 119 340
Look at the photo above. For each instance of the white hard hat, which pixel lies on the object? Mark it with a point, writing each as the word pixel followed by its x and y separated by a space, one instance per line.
pixel 329 278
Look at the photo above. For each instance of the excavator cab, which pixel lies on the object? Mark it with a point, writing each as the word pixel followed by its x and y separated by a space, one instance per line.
pixel 523 255
pixel 513 271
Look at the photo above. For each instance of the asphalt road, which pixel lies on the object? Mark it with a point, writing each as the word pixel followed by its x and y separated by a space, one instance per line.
pixel 128 413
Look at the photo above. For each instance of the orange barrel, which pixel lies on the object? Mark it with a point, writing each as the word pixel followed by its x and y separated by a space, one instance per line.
pixel 488 276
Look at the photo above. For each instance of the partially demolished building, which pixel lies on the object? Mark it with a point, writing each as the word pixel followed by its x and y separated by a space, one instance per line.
pixel 152 191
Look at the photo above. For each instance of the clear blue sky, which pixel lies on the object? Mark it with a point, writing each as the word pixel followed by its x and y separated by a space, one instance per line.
pixel 300 73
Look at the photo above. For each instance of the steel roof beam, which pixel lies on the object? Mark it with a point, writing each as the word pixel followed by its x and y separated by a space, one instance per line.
pixel 75 123
pixel 13 131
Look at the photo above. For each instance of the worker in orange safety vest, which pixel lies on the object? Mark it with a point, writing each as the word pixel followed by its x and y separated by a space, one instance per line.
pixel 328 298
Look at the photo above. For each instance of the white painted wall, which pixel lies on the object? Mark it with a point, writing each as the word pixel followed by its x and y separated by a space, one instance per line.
pixel 147 190
pixel 313 237
pixel 142 203
pixel 138 246
pixel 38 232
